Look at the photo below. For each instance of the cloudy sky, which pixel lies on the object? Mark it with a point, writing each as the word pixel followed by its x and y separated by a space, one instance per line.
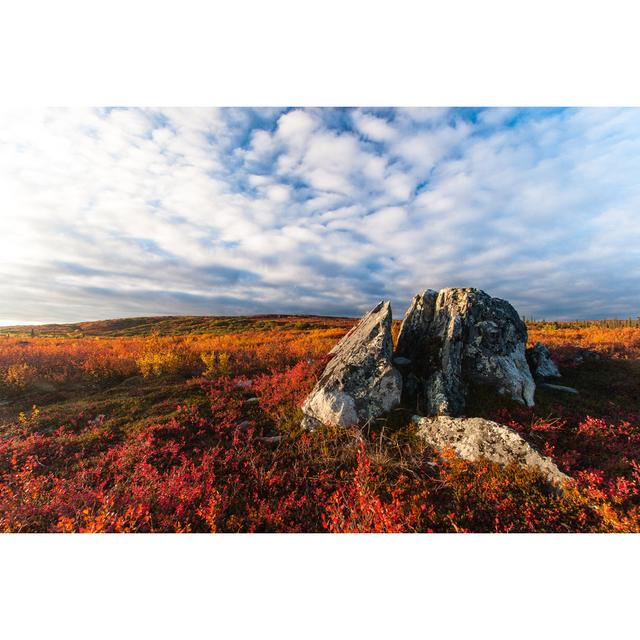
pixel 107 213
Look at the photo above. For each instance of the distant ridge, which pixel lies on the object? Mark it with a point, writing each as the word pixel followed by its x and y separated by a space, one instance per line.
pixel 184 325
pixel 177 325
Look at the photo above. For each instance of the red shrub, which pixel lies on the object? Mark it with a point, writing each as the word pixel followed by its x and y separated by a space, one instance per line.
pixel 356 507
pixel 207 468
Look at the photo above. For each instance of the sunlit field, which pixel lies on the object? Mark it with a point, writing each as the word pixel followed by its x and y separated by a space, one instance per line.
pixel 192 425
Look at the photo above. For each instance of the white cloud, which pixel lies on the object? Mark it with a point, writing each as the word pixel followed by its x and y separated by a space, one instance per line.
pixel 373 127
pixel 278 192
pixel 422 151
pixel 106 213
pixel 296 126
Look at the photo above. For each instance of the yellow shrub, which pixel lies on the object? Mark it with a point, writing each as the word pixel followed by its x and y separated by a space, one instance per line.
pixel 19 376
pixel 29 419
pixel 215 363
pixel 223 364
pixel 157 363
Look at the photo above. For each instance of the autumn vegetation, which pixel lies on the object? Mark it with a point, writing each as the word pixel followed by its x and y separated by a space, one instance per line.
pixel 192 425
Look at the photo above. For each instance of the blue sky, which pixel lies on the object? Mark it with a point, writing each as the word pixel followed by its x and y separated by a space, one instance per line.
pixel 107 213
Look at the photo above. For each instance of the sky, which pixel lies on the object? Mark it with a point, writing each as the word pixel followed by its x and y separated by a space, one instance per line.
pixel 116 212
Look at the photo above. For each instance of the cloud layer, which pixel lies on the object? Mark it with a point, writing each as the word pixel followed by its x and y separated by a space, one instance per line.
pixel 116 212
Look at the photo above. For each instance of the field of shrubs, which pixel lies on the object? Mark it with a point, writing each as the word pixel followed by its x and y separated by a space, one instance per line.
pixel 192 425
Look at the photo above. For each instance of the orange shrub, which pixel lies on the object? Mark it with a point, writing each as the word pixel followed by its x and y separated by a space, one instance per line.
pixel 619 342
pixel 19 376
pixel 83 359
pixel 212 466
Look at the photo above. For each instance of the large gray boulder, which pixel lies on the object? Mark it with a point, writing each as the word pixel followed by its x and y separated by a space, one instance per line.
pixel 360 382
pixel 540 362
pixel 476 438
pixel 458 337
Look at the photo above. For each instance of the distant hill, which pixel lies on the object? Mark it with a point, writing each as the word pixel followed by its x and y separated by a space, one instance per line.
pixel 222 325
pixel 178 325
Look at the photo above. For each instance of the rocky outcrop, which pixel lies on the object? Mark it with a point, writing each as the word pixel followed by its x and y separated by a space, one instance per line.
pixel 476 438
pixel 459 337
pixel 449 341
pixel 360 382
pixel 540 362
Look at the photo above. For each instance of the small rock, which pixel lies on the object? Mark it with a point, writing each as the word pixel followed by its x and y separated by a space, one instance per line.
pixel 540 362
pixel 559 387
pixel 244 384
pixel 476 438
pixel 270 439
pixel 586 355
pixel 401 362
pixel 44 385
pixel 252 400
pixel 243 426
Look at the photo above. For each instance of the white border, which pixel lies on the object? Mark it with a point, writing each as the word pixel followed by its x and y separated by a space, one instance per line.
pixel 322 586
pixel 288 52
